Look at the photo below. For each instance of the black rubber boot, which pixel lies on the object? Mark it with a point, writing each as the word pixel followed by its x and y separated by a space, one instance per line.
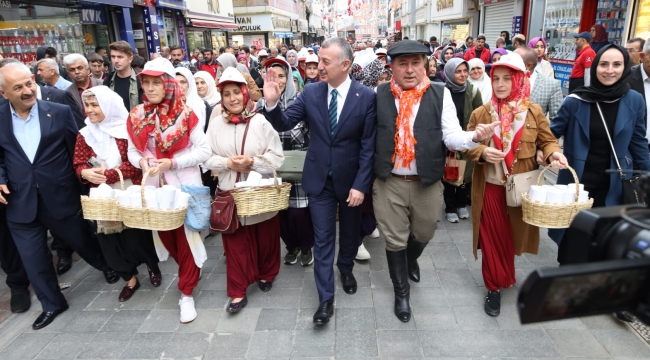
pixel 397 269
pixel 413 251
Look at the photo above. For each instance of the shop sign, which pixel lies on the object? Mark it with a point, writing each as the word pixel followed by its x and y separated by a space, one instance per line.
pixel 444 4
pixel 171 4
pixel 151 30
pixel 279 23
pixel 138 34
pixel 253 23
pixel 516 25
pixel 5 4
pixel 92 16
pixel 562 73
pixel 303 26
pixel 181 37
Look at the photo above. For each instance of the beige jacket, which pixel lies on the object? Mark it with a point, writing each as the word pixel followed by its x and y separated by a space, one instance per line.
pixel 226 141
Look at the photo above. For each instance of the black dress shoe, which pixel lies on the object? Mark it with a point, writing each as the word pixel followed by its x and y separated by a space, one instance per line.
pixel 63 265
pixel 111 276
pixel 349 283
pixel 324 313
pixel 622 316
pixel 20 301
pixel 397 269
pixel 265 285
pixel 47 317
pixel 234 307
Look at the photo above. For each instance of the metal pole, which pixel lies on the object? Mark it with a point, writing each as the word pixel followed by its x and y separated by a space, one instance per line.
pixel 412 21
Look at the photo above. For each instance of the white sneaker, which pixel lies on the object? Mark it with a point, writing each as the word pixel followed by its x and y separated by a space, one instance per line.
pixel 463 213
pixel 362 253
pixel 375 234
pixel 188 312
pixel 452 217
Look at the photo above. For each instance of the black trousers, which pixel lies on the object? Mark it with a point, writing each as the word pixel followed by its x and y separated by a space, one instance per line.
pixel 10 261
pixel 455 197
pixel 31 241
pixel 125 251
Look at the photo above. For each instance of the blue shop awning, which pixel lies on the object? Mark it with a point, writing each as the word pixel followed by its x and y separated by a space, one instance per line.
pixel 121 3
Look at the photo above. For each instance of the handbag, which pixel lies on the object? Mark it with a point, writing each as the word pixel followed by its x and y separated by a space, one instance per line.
pixel 454 173
pixel 197 217
pixel 632 190
pixel 518 184
pixel 223 215
pixel 294 162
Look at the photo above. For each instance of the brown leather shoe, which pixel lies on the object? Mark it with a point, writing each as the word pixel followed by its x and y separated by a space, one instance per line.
pixel 128 291
pixel 155 278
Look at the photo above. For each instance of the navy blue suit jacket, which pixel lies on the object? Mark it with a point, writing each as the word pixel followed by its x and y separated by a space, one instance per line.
pixel 52 170
pixel 61 97
pixel 349 152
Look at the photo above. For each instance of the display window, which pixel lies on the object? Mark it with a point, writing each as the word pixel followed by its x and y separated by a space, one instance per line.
pixel 642 20
pixel 219 39
pixel 612 15
pixel 456 31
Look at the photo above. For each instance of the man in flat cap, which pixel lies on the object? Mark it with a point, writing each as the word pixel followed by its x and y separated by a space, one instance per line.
pixel 416 123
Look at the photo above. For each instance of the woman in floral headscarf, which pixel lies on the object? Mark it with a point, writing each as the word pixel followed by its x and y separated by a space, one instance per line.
pixel 253 251
pixel 499 230
pixel 165 136
pixel 539 45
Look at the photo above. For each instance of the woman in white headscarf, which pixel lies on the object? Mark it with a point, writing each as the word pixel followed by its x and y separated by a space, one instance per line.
pixel 206 87
pixel 479 78
pixel 105 139
pixel 201 108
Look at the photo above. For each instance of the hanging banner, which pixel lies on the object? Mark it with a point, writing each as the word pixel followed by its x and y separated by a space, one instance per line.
pixel 181 37
pixel 516 25
pixel 151 30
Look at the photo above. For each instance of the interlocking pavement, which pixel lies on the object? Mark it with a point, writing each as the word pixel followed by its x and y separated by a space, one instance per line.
pixel 448 319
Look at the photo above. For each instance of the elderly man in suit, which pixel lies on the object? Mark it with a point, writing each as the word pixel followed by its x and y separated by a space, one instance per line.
pixel 77 67
pixel 545 91
pixel 39 187
pixel 338 167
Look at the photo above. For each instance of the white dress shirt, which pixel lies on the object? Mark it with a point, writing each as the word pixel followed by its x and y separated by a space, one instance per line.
pixel 646 88
pixel 343 90
pixel 533 76
pixel 452 134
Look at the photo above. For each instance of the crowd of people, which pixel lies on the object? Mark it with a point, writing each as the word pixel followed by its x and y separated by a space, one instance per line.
pixel 375 123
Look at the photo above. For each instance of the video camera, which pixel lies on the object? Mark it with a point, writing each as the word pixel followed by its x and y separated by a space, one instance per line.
pixel 612 247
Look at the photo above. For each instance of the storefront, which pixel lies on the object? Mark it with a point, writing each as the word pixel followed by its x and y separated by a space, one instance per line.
pixel 458 20
pixel 641 25
pixel 79 29
pixel 613 16
pixel 208 23
pixel 262 30
pixel 497 18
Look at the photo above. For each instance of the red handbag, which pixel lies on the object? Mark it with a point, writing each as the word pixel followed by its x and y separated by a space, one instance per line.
pixel 451 170
pixel 223 217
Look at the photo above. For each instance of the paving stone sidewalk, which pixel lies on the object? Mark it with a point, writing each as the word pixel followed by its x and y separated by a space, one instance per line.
pixel 448 318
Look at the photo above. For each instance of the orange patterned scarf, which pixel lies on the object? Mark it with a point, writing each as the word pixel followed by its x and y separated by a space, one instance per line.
pixel 405 144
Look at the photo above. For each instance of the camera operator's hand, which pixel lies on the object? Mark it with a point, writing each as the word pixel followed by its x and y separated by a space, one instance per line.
pixel 558 160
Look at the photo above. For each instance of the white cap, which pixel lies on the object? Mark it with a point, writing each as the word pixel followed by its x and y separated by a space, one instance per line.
pixel 310 49
pixel 157 67
pixel 262 53
pixel 232 75
pixel 364 58
pixel 312 58
pixel 513 61
pixel 381 51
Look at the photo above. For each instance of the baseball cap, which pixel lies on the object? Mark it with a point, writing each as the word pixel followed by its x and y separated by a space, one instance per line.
pixel 158 67
pixel 310 49
pixel 381 52
pixel 513 61
pixel 262 53
pixel 278 60
pixel 584 35
pixel 313 58
pixel 231 75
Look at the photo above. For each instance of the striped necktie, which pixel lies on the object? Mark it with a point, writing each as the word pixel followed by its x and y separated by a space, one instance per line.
pixel 333 110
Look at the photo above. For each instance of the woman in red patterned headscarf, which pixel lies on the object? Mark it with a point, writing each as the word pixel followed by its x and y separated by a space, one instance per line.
pixel 165 136
pixel 237 137
pixel 499 230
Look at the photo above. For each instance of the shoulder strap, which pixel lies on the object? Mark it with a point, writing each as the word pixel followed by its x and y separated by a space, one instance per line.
pixel 243 144
pixel 611 144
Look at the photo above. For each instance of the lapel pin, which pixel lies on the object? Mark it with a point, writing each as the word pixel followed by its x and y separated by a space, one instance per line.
pixel 48 115
pixel 357 94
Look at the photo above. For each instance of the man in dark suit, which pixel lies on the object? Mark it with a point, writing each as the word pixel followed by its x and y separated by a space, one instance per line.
pixel 63 250
pixel 639 80
pixel 39 186
pixel 338 166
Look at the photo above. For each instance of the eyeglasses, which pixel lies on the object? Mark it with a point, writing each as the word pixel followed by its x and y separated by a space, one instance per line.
pixel 632 50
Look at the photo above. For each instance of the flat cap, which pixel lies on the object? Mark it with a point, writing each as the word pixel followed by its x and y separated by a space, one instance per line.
pixel 408 47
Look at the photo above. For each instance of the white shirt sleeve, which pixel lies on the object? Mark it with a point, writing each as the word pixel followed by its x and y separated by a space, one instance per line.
pixel 587 76
pixel 452 134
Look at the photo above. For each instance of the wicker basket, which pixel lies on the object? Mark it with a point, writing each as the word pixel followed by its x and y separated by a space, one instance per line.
pixel 102 208
pixel 553 216
pixel 151 219
pixel 262 199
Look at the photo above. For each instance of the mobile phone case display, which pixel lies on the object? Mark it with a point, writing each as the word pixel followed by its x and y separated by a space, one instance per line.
pixel 561 21
pixel 612 15
pixel 642 18
pixel 20 39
